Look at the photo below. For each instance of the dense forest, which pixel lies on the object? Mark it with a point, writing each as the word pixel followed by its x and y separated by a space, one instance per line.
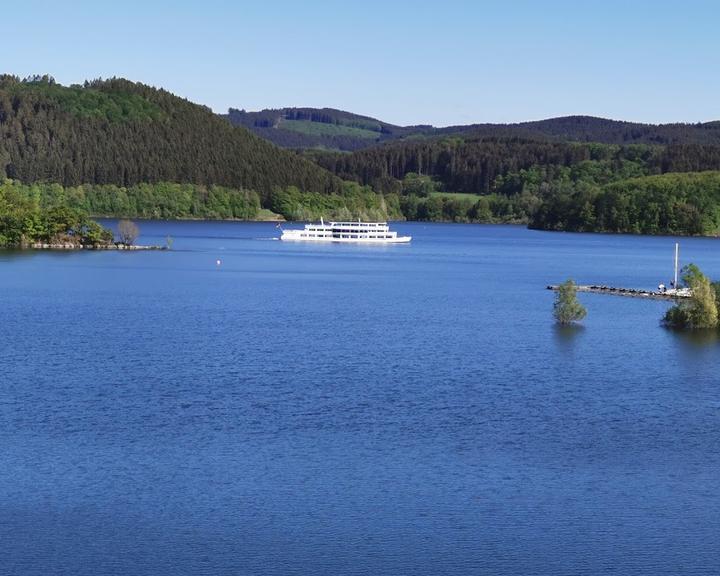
pixel 666 204
pixel 475 165
pixel 330 129
pixel 123 133
pixel 117 148
pixel 576 200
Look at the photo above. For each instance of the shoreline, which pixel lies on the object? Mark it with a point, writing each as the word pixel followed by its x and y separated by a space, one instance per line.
pixel 187 219
pixel 61 246
pixel 281 220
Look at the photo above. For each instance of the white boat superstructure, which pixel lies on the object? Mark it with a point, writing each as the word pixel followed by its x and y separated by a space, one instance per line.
pixel 356 232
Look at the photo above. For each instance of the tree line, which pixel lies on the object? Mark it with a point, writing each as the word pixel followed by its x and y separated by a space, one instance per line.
pixel 162 200
pixel 165 200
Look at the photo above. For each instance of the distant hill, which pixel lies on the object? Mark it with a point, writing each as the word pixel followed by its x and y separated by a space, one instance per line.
pixel 324 128
pixel 592 129
pixel 481 164
pixel 327 128
pixel 124 133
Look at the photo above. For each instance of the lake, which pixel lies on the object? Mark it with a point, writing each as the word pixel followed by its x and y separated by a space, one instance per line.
pixel 362 410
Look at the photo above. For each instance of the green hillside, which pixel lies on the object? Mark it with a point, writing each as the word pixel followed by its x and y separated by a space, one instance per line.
pixel 552 185
pixel 88 103
pixel 273 125
pixel 680 203
pixel 123 133
pixel 322 129
pixel 118 148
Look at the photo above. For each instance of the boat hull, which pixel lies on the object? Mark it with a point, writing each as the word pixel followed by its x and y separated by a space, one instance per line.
pixel 399 240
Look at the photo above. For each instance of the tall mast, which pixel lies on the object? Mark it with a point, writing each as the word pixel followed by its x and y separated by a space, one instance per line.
pixel 677 248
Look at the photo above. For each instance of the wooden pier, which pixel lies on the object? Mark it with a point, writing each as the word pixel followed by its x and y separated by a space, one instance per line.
pixel 631 292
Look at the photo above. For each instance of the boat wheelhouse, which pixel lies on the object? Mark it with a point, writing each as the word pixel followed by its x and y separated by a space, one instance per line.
pixel 357 232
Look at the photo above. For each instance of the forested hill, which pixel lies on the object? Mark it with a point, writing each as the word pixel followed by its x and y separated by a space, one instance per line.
pixel 326 128
pixel 124 133
pixel 488 165
pixel 118 148
pixel 592 129
pixel 553 185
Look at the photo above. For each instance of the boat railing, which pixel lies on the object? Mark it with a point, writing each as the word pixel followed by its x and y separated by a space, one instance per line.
pixel 357 224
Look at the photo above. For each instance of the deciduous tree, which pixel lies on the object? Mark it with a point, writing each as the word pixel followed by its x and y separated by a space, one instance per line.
pixel 567 308
pixel 700 311
pixel 128 232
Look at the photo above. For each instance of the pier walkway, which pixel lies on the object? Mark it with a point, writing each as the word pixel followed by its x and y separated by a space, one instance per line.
pixel 631 292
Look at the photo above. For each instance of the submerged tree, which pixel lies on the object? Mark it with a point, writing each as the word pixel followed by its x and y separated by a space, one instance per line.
pixel 698 311
pixel 567 308
pixel 128 232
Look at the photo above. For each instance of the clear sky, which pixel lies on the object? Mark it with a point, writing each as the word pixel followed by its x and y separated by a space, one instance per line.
pixel 406 62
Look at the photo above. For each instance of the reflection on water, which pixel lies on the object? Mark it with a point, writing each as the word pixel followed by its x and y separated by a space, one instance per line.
pixel 10 254
pixel 696 339
pixel 568 333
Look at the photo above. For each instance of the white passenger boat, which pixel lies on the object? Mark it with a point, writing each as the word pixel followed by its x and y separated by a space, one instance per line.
pixel 356 232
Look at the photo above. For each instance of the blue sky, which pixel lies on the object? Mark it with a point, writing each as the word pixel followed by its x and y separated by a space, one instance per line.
pixel 406 62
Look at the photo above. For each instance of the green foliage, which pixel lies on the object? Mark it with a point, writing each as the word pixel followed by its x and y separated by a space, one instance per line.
pixel 678 203
pixel 419 185
pixel 676 317
pixel 122 133
pixel 716 291
pixel 700 311
pixel 113 145
pixel 567 308
pixel 690 274
pixel 314 128
pixel 450 207
pixel 636 188
pixel 162 200
pixel 472 198
pixel 325 129
pixel 87 102
pixel 25 220
pixel 509 166
pixel 583 129
pixel 353 202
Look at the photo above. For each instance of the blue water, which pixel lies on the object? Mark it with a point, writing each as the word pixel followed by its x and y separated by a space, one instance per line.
pixel 304 409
